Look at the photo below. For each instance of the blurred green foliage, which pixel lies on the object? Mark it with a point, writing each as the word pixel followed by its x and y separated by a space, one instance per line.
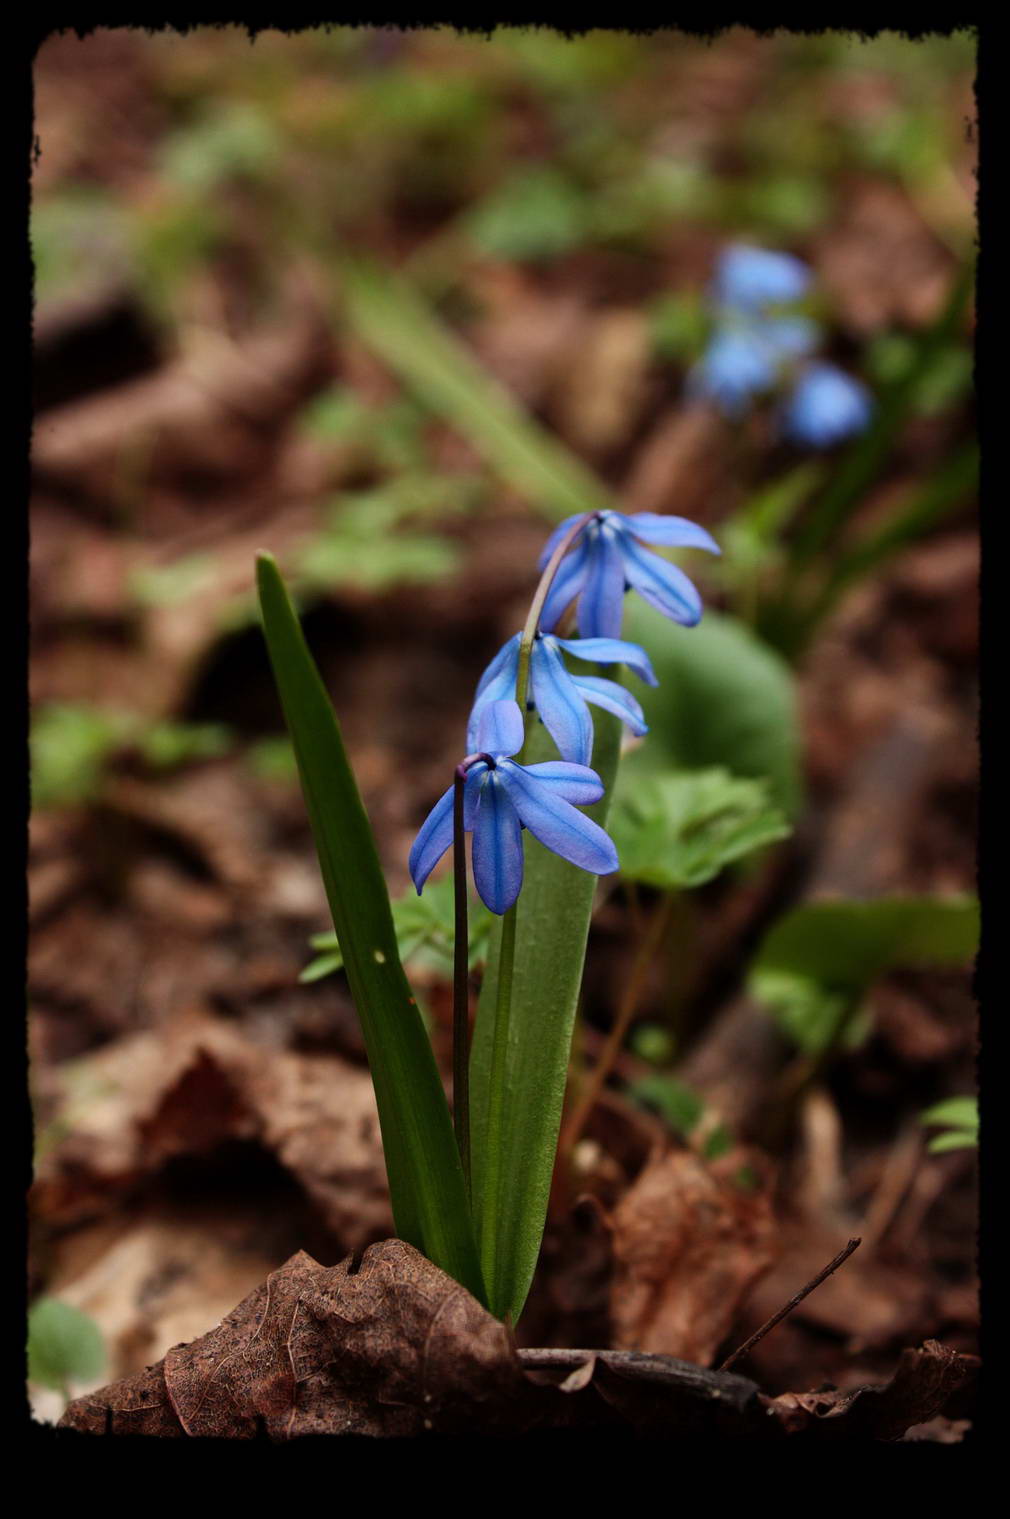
pixel 958 1117
pixel 64 1345
pixel 817 963
pixel 72 745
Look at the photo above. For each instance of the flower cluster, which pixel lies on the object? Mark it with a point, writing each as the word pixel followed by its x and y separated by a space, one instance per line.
pixel 501 797
pixel 759 345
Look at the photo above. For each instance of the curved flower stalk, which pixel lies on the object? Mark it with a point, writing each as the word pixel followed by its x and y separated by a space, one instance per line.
pixel 558 695
pixel 500 799
pixel 608 559
pixel 755 348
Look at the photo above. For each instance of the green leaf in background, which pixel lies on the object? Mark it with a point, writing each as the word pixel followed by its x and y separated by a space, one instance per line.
pixel 818 961
pixel 679 830
pixel 424 932
pixel 724 699
pixel 554 909
pixel 422 1162
pixel 368 540
pixel 64 1345
pixel 536 213
pixel 395 322
pixel 959 1116
pixel 682 1108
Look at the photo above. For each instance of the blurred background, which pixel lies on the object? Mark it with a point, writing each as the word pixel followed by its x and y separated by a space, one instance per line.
pixel 391 304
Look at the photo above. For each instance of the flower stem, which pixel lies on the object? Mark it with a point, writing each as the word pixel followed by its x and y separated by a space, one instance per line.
pixel 460 983
pixel 496 1096
pixel 529 632
pixel 461 971
pixel 506 953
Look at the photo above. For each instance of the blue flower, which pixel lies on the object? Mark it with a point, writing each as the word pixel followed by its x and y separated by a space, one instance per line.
pixel 826 406
pixel 608 558
pixel 500 799
pixel 560 696
pixel 755 347
pixel 746 357
pixel 752 279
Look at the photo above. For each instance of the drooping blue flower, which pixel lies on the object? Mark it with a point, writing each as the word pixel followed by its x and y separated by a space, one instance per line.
pixel 559 695
pixel 500 799
pixel 826 405
pixel 752 279
pixel 608 558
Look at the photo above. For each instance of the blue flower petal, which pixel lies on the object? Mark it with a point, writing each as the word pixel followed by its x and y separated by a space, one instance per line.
pixel 505 660
pixel 753 278
pixel 612 651
pixel 671 532
pixel 566 585
pixel 558 825
pixel 608 694
pixel 497 847
pixel 432 841
pixel 561 708
pixel 736 366
pixel 498 683
pixel 572 783
pixel 601 604
pixel 476 780
pixel 500 729
pixel 555 538
pixel 663 585
pixel 826 406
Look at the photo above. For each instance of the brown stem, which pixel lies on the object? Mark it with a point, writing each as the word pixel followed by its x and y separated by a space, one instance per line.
pixel 647 948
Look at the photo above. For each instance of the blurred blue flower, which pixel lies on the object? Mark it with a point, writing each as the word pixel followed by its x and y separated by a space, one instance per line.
pixel 826 405
pixel 500 799
pixel 607 558
pixel 560 696
pixel 756 347
pixel 752 279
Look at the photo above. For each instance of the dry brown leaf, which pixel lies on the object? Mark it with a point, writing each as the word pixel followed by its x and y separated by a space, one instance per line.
pixel 689 1240
pixel 394 1347
pixel 190 1089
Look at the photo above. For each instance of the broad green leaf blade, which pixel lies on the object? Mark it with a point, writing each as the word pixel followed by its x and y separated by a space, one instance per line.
pixel 395 322
pixel 425 1175
pixel 724 698
pixel 844 945
pixel 554 909
pixel 677 830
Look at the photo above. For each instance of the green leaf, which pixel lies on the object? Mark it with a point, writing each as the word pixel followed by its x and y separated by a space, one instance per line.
pixel 393 320
pixel 958 1112
pixel 815 966
pixel 724 699
pixel 845 945
pixel 64 1345
pixel 678 1103
pixel 425 928
pixel 425 1175
pixel 554 909
pixel 679 830
pixel 960 1116
pixel 954 1140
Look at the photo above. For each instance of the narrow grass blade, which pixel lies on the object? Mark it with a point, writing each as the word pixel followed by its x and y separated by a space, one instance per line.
pixel 395 322
pixel 554 909
pixel 425 1176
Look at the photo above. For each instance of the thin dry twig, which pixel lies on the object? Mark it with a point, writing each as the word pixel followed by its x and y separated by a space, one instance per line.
pixel 793 1302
